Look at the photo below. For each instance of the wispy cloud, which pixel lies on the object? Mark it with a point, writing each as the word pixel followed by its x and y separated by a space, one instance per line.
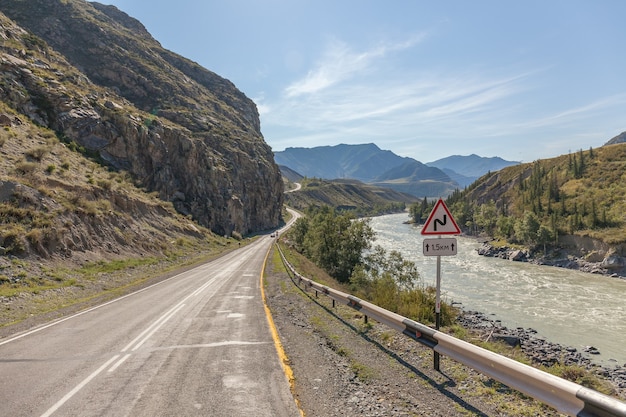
pixel 403 101
pixel 340 63
pixel 574 114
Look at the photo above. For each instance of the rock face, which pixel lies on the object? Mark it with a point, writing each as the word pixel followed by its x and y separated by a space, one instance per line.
pixel 604 263
pixel 97 78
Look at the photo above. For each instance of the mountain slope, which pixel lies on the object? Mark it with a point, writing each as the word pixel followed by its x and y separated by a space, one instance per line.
pixel 621 138
pixel 177 128
pixel 415 178
pixel 580 195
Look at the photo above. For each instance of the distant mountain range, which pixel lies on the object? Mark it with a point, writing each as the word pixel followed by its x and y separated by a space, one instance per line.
pixel 370 164
pixel 467 169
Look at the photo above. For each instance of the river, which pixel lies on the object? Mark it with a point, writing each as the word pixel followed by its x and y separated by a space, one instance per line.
pixel 564 306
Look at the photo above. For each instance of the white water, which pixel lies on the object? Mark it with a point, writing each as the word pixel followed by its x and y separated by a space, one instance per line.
pixel 564 306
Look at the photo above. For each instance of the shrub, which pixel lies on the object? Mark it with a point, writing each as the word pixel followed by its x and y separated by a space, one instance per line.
pixel 12 240
pixel 105 184
pixel 38 153
pixel 24 168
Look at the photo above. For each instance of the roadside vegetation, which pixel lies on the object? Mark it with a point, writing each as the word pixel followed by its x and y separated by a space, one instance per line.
pixel 341 245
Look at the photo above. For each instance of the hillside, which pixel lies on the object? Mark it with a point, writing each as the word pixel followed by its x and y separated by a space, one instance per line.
pixel 363 199
pixel 575 202
pixel 289 174
pixel 95 77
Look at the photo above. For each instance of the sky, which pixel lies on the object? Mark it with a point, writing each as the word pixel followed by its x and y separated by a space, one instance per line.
pixel 522 80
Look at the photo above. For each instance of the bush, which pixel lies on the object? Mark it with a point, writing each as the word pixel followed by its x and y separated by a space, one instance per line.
pixel 38 153
pixel 25 168
pixel 13 241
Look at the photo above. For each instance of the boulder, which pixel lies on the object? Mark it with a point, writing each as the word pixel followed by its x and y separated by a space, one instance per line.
pixel 512 341
pixel 613 262
pixel 517 255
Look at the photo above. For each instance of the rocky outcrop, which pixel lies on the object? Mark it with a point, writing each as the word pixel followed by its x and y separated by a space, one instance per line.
pixel 604 262
pixel 177 128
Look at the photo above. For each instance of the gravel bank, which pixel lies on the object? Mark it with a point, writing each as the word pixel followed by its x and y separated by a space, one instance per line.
pixel 542 351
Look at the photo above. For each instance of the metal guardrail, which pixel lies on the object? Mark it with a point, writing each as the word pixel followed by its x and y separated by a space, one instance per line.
pixel 565 396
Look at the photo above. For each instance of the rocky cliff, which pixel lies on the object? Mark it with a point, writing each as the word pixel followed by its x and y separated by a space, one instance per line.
pixel 98 79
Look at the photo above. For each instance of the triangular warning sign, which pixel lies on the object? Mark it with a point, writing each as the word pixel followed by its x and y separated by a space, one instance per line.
pixel 440 221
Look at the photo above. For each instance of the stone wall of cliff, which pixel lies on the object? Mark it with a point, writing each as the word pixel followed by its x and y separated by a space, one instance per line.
pixel 96 77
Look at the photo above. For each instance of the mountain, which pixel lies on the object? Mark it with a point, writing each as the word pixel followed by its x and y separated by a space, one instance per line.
pixel 96 78
pixel 361 162
pixel 467 169
pixel 369 164
pixel 621 138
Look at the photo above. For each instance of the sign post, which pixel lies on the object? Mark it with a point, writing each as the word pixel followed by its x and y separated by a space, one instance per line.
pixel 440 222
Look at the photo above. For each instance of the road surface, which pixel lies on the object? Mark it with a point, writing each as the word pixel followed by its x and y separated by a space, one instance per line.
pixel 196 344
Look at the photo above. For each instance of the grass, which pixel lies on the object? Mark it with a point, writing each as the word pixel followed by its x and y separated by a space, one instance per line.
pixel 92 269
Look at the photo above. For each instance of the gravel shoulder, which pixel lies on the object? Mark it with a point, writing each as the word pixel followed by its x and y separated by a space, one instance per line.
pixel 345 366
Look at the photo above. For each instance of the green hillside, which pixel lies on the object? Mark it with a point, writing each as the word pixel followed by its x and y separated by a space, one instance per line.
pixel 582 194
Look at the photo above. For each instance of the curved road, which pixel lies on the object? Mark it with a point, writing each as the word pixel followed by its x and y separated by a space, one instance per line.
pixel 196 344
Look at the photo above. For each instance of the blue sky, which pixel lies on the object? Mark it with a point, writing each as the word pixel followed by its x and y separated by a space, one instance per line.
pixel 523 80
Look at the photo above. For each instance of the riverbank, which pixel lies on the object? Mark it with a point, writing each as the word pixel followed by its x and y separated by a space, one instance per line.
pixel 543 352
pixel 613 265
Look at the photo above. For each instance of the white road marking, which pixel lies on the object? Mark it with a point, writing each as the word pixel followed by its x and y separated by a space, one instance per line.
pixel 118 363
pixel 78 387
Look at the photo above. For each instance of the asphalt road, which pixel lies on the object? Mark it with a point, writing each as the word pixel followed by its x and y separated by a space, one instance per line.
pixel 197 344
